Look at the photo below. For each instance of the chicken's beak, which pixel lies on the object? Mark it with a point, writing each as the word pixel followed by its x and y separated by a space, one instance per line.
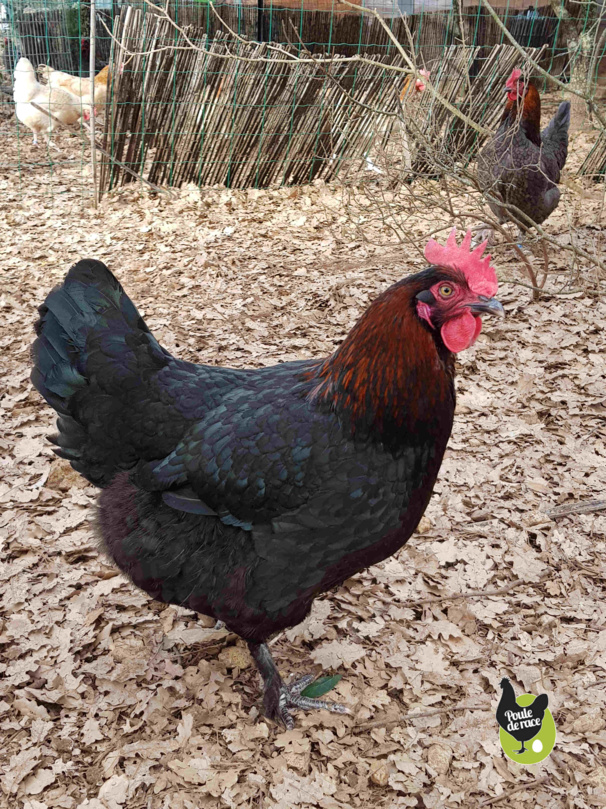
pixel 487 306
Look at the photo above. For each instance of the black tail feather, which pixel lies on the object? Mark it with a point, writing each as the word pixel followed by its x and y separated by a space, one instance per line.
pixel 92 346
pixel 555 135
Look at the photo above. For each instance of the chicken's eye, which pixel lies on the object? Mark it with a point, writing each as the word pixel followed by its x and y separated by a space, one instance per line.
pixel 446 290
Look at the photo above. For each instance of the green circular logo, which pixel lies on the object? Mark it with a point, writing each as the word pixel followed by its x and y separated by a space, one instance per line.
pixel 532 749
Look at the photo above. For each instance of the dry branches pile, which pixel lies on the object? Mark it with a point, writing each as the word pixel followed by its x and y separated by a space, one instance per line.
pixel 426 165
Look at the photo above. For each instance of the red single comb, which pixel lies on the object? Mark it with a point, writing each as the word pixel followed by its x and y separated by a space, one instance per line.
pixel 515 77
pixel 480 275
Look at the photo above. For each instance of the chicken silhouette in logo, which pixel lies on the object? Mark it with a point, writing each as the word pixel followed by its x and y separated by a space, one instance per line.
pixel 521 723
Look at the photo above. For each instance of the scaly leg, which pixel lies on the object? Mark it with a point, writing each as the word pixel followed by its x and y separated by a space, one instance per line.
pixel 545 263
pixel 279 697
pixel 482 233
pixel 521 237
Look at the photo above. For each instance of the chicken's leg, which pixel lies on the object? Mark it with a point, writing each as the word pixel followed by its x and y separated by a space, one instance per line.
pixel 279 697
pixel 545 263
pixel 523 750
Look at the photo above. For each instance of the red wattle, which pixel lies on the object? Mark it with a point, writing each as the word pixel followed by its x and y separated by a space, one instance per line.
pixel 461 332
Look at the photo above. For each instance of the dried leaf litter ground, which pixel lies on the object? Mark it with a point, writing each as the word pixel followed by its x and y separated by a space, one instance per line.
pixel 111 701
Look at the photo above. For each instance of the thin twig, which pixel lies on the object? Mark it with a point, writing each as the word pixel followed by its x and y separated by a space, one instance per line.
pixel 589 507
pixel 392 723
pixel 519 788
pixel 539 289
pixel 475 593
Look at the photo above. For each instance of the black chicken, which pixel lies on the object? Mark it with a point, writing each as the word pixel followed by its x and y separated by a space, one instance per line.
pixel 521 723
pixel 521 164
pixel 244 494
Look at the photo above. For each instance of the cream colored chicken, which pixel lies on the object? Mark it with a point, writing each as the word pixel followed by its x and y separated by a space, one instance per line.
pixel 76 85
pixel 59 103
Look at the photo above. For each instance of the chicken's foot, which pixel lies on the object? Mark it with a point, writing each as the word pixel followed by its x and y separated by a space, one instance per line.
pixel 50 144
pixel 278 697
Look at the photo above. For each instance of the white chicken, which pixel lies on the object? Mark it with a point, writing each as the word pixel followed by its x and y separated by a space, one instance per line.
pixel 60 103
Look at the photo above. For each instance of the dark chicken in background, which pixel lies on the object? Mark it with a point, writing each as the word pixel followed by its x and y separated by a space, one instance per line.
pixel 508 703
pixel 244 494
pixel 521 164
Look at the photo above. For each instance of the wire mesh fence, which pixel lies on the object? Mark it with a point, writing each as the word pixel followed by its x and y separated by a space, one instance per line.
pixel 236 112
pixel 206 98
pixel 54 33
pixel 434 25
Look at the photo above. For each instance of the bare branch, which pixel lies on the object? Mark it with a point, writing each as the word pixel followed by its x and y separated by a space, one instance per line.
pixel 229 56
pixel 590 102
pixel 415 71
